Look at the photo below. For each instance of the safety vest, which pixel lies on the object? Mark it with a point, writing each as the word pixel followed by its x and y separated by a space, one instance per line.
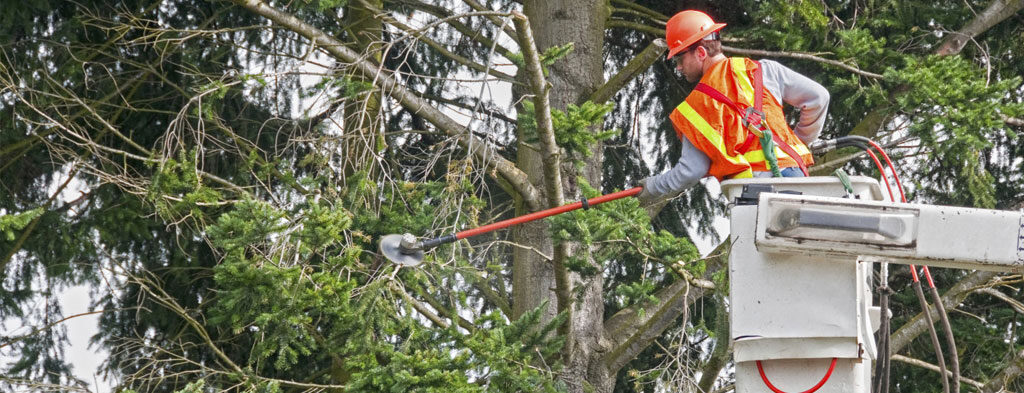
pixel 718 130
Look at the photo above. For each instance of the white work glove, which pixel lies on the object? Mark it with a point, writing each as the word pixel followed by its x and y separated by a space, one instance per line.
pixel 645 197
pixel 648 201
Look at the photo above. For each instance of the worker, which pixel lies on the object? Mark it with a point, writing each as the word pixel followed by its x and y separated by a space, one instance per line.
pixel 716 134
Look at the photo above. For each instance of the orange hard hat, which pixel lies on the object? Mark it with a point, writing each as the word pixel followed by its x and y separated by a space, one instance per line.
pixel 686 28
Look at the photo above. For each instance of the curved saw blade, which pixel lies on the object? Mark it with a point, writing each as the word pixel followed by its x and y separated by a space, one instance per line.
pixel 391 247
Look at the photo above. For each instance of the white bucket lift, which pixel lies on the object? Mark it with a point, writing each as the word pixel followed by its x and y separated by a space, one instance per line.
pixel 800 269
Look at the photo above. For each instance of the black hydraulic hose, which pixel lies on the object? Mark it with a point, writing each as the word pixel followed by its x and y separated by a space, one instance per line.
pixel 827 145
pixel 954 356
pixel 934 335
pixel 881 378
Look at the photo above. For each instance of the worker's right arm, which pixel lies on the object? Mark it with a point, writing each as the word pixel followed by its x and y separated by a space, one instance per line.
pixel 692 166
pixel 810 97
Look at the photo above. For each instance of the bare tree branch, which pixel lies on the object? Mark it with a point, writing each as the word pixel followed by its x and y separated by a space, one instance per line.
pixel 418 35
pixel 951 299
pixel 999 382
pixel 632 333
pixel 801 56
pixel 996 12
pixel 720 355
pixel 1013 121
pixel 638 65
pixel 652 14
pixel 932 367
pixel 391 86
pixel 442 12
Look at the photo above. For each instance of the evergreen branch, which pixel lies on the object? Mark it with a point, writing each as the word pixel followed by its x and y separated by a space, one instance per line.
pixel 418 35
pixel 655 15
pixel 951 299
pixel 996 12
pixel 50 325
pixel 441 12
pixel 638 65
pixel 999 381
pixel 420 308
pixel 801 56
pixel 479 149
pixel 928 366
pixel 164 299
pixel 448 313
pixel 480 282
pixel 37 386
pixel 873 121
pixel 456 103
pixel 32 225
pixel 655 31
pixel 480 8
pixel 631 332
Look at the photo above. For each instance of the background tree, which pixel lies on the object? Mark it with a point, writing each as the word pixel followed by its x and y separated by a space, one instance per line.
pixel 221 173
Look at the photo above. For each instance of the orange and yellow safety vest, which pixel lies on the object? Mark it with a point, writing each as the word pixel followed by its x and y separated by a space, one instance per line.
pixel 718 130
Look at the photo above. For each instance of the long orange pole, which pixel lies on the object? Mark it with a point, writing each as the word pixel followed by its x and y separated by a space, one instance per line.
pixel 586 203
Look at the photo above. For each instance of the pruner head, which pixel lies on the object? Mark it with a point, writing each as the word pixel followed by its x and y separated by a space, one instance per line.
pixel 402 249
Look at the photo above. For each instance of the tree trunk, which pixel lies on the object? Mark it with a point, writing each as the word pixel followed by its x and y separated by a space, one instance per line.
pixel 573 79
pixel 360 113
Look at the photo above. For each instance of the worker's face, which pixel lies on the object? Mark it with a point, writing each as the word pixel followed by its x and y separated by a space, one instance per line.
pixel 691 63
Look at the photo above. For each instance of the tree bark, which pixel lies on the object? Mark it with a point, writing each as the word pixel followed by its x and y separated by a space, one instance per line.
pixel 996 12
pixel 573 79
pixel 360 114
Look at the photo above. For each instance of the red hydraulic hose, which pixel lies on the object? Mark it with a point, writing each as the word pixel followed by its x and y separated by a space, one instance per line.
pixel 813 389
pixel 950 340
pixel 899 184
pixel 881 169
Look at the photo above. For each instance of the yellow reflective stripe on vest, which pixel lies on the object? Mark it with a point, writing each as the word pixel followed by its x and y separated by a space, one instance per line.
pixel 739 68
pixel 749 173
pixel 758 155
pixel 708 132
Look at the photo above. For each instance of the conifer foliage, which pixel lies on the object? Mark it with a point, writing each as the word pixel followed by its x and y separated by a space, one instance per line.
pixel 220 173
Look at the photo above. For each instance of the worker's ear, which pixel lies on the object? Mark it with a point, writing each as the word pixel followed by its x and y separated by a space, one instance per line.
pixel 702 52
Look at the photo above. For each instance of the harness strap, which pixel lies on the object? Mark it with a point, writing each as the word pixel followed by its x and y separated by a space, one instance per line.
pixel 753 117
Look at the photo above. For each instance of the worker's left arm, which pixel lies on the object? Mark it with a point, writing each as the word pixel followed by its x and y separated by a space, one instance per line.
pixel 810 97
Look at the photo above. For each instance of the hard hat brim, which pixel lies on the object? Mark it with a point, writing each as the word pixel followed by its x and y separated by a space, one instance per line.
pixel 674 50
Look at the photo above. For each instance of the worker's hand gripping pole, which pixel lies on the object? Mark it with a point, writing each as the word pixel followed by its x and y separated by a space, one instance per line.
pixel 406 250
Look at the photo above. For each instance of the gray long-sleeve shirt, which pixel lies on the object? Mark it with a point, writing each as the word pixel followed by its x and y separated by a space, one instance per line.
pixel 782 82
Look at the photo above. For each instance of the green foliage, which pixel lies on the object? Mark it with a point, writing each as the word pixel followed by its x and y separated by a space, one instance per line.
pixel 612 230
pixel 784 18
pixel 177 189
pixel 249 224
pixel 502 354
pixel 957 114
pixel 573 127
pixel 10 224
